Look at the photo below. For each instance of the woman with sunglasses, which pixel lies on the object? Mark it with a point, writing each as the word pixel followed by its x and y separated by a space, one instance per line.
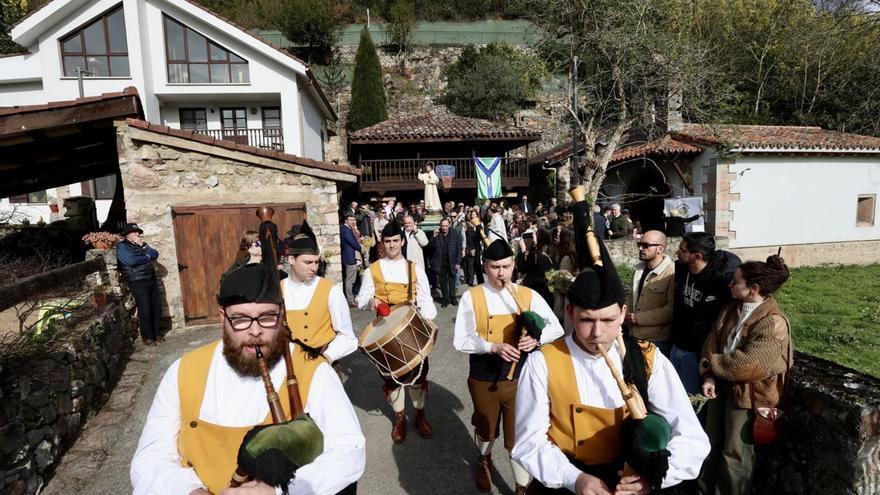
pixel 249 251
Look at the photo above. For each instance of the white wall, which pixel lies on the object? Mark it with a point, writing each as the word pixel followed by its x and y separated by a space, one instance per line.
pixel 312 125
pixel 802 199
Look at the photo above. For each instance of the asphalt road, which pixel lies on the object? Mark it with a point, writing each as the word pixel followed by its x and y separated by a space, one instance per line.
pixel 99 462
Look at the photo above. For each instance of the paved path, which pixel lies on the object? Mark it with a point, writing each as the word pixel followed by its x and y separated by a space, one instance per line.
pixel 99 461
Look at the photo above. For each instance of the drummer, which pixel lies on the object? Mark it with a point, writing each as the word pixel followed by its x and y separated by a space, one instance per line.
pixel 395 280
pixel 316 310
pixel 486 328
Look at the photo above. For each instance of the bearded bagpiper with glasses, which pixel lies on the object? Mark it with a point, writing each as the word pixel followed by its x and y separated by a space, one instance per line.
pixel 211 414
pixel 395 280
pixel 315 308
pixel 653 292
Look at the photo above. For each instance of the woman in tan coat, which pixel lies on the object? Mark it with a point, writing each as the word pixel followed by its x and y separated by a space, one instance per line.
pixel 747 354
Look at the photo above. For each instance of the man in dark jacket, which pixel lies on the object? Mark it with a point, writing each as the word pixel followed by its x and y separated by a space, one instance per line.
pixel 446 260
pixel 350 248
pixel 135 259
pixel 702 279
pixel 600 223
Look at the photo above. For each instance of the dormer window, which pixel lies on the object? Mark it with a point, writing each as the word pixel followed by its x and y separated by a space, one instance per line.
pixel 99 47
pixel 194 59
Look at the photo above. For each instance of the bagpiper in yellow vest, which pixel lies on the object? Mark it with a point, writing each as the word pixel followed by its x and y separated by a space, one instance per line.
pixel 212 449
pixel 393 293
pixel 586 433
pixel 500 328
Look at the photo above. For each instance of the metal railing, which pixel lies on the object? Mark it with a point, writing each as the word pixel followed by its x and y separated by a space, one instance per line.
pixel 402 173
pixel 272 138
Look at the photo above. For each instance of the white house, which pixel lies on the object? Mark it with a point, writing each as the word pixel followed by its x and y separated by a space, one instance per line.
pixel 192 69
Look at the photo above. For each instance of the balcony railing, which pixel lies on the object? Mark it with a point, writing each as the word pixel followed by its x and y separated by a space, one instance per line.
pixel 272 139
pixel 402 174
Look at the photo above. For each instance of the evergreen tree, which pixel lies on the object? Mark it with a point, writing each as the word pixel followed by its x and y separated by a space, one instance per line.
pixel 312 24
pixel 11 11
pixel 368 104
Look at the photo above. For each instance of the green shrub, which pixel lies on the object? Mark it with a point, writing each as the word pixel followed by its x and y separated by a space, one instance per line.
pixel 312 24
pixel 368 104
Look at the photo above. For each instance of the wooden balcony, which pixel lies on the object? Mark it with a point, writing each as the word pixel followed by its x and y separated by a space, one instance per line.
pixel 402 174
pixel 271 139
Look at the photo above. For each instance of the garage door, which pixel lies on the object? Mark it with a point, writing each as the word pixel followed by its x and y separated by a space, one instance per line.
pixel 207 244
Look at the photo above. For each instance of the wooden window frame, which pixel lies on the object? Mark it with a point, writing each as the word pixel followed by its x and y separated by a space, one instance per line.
pixel 193 109
pixel 80 32
pixel 263 115
pixel 208 63
pixel 235 119
pixel 866 221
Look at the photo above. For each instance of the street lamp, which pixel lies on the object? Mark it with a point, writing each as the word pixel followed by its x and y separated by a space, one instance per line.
pixel 79 75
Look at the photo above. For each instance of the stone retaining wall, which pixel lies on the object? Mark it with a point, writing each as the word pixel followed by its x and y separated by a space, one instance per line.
pixel 46 397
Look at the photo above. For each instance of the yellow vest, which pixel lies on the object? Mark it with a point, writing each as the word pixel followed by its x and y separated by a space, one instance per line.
pixel 589 434
pixel 497 328
pixel 393 293
pixel 313 325
pixel 212 449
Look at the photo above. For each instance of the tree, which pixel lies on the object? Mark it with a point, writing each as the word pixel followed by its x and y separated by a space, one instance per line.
pixel 11 11
pixel 633 55
pixel 368 103
pixel 312 24
pixel 492 82
pixel 401 28
pixel 333 78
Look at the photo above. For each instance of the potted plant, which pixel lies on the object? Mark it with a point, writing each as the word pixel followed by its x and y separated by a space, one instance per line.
pixel 101 240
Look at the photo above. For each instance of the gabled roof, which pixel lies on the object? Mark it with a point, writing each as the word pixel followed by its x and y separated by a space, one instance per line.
pixel 665 146
pixel 771 138
pixel 436 128
pixel 28 30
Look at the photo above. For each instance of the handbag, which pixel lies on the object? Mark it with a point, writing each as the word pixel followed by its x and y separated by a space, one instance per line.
pixel 767 422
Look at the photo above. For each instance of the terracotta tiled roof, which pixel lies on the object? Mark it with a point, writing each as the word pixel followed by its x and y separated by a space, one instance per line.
pixel 666 146
pixel 127 92
pixel 232 145
pixel 777 138
pixel 428 127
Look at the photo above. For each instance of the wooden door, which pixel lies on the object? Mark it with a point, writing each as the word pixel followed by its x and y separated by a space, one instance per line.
pixel 234 123
pixel 207 239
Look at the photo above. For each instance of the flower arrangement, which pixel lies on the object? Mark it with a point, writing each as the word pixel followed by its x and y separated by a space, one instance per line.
pixel 326 255
pixel 697 401
pixel 559 281
pixel 101 240
pixel 367 241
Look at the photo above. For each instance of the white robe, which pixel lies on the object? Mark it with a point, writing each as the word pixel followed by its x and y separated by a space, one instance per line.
pixel 233 400
pixel 432 197
pixel 298 296
pixel 688 447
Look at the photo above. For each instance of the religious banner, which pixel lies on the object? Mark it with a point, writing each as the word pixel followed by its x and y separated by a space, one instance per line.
pixel 686 208
pixel 488 172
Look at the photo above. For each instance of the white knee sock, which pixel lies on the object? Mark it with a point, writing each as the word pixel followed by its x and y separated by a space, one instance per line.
pixel 520 475
pixel 398 399
pixel 485 447
pixel 418 396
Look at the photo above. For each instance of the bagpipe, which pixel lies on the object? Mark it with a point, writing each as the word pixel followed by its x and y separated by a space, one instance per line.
pixel 273 453
pixel 645 435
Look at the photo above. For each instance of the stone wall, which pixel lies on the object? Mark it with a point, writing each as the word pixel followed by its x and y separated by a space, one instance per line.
pixel 161 171
pixel 47 395
pixel 831 443
pixel 838 253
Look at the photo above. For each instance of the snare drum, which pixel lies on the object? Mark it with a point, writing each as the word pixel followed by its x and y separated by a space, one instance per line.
pixel 399 342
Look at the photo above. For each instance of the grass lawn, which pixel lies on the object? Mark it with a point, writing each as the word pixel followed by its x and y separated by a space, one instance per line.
pixel 834 313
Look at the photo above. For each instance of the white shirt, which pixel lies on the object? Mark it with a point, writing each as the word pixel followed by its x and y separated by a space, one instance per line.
pixel 415 241
pixel 298 296
pixel 596 387
pixel 498 302
pixel 233 400
pixel 396 271
pixel 498 228
pixel 733 339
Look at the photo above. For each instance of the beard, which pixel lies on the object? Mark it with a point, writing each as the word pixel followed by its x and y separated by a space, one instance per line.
pixel 247 364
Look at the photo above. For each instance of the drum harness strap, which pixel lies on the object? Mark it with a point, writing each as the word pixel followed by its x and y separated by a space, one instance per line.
pixel 409 299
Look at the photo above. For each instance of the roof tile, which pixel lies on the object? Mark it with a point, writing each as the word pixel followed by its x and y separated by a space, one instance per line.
pixel 666 145
pixel 777 138
pixel 427 126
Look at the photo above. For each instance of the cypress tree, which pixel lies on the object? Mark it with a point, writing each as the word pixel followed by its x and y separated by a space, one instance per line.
pixel 368 104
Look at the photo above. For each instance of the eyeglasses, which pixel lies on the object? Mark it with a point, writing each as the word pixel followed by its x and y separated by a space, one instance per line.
pixel 645 245
pixel 256 244
pixel 240 323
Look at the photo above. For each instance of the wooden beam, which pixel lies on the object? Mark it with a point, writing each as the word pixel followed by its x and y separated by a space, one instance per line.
pixel 31 287
pixel 49 117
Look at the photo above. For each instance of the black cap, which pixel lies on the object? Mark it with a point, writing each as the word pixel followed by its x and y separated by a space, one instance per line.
pixel 304 242
pixel 598 286
pixel 131 227
pixel 498 250
pixel 255 282
pixel 392 229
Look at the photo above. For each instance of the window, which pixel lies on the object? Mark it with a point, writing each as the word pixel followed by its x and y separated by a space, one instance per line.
pixel 100 188
pixel 865 210
pixel 194 59
pixel 34 197
pixel 233 118
pixel 193 119
pixel 271 117
pixel 100 47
